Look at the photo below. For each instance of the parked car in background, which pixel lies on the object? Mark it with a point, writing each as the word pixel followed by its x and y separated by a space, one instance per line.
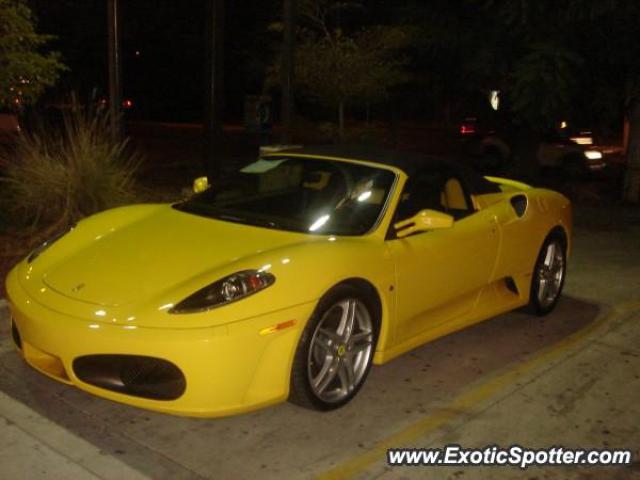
pixel 570 152
pixel 485 143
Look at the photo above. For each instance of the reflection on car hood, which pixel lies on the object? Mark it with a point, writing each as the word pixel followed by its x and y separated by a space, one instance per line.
pixel 155 253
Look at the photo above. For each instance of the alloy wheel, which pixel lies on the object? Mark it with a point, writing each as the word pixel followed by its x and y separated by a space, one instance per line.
pixel 340 350
pixel 550 274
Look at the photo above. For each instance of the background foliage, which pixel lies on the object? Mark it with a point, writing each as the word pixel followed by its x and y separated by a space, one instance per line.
pixel 25 71
pixel 59 175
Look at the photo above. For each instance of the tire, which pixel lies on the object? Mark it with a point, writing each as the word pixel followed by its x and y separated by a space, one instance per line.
pixel 332 362
pixel 548 275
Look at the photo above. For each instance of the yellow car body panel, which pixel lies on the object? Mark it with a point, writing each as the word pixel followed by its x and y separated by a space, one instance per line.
pixel 107 286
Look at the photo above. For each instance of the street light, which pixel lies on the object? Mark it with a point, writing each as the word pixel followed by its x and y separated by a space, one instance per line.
pixel 288 69
pixel 115 70
pixel 214 65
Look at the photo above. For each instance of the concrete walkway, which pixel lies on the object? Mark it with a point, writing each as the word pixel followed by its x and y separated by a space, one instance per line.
pixel 570 379
pixel 32 447
pixel 581 397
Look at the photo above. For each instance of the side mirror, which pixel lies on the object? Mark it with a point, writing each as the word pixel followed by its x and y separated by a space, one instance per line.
pixel 423 221
pixel 200 184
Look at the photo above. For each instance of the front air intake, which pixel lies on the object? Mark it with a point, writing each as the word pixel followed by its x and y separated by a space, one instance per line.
pixel 146 377
pixel 15 334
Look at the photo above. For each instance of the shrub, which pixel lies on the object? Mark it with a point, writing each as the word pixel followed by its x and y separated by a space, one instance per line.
pixel 59 175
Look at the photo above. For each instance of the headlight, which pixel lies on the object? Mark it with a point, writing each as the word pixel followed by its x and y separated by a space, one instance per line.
pixel 38 250
pixel 229 289
pixel 593 154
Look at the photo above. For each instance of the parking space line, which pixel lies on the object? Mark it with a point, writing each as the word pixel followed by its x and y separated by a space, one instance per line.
pixel 465 402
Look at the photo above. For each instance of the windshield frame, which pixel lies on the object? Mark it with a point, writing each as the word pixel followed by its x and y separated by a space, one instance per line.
pixel 305 157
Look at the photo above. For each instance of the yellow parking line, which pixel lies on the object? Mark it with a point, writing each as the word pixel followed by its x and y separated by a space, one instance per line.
pixel 465 402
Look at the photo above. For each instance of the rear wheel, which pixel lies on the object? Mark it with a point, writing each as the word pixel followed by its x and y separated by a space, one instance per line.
pixel 335 351
pixel 548 276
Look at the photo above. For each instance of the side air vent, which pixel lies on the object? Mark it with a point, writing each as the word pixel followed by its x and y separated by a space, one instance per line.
pixel 511 285
pixel 519 204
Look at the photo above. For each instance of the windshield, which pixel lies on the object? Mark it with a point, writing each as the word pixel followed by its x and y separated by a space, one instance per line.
pixel 304 195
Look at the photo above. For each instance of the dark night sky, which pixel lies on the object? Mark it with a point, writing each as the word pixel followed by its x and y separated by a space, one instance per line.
pixel 165 80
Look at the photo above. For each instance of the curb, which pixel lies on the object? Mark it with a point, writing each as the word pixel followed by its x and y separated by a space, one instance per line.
pixel 60 451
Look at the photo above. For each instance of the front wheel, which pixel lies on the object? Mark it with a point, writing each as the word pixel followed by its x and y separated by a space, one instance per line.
pixel 335 352
pixel 548 276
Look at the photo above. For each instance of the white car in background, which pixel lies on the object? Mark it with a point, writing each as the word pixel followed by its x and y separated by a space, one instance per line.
pixel 573 154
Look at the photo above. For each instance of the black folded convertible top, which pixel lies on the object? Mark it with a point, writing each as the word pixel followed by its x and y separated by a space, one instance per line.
pixel 408 162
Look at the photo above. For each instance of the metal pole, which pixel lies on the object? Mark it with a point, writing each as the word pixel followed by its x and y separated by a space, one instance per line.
pixel 288 69
pixel 115 70
pixel 214 65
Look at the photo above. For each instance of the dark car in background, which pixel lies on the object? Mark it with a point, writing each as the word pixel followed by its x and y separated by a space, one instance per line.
pixel 485 142
pixel 561 149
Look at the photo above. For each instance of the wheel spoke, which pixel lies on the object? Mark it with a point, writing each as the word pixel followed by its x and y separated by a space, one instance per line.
pixel 326 375
pixel 323 342
pixel 558 264
pixel 329 335
pixel 346 374
pixel 542 290
pixel 550 256
pixel 347 320
pixel 360 342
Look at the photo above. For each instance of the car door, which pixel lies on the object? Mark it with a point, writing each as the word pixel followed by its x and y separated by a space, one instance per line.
pixel 440 273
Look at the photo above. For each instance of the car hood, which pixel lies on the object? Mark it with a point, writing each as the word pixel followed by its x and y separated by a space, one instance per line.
pixel 156 253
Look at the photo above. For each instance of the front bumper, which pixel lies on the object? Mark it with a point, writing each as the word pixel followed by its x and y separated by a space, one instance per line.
pixel 228 369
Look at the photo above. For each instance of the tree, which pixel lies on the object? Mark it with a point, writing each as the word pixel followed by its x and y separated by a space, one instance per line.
pixel 335 67
pixel 615 57
pixel 25 71
pixel 552 60
pixel 458 51
pixel 595 44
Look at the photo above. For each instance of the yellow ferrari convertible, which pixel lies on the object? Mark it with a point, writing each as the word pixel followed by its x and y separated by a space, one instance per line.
pixel 284 280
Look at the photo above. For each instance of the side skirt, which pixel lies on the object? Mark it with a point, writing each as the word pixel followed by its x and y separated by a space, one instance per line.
pixel 499 297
